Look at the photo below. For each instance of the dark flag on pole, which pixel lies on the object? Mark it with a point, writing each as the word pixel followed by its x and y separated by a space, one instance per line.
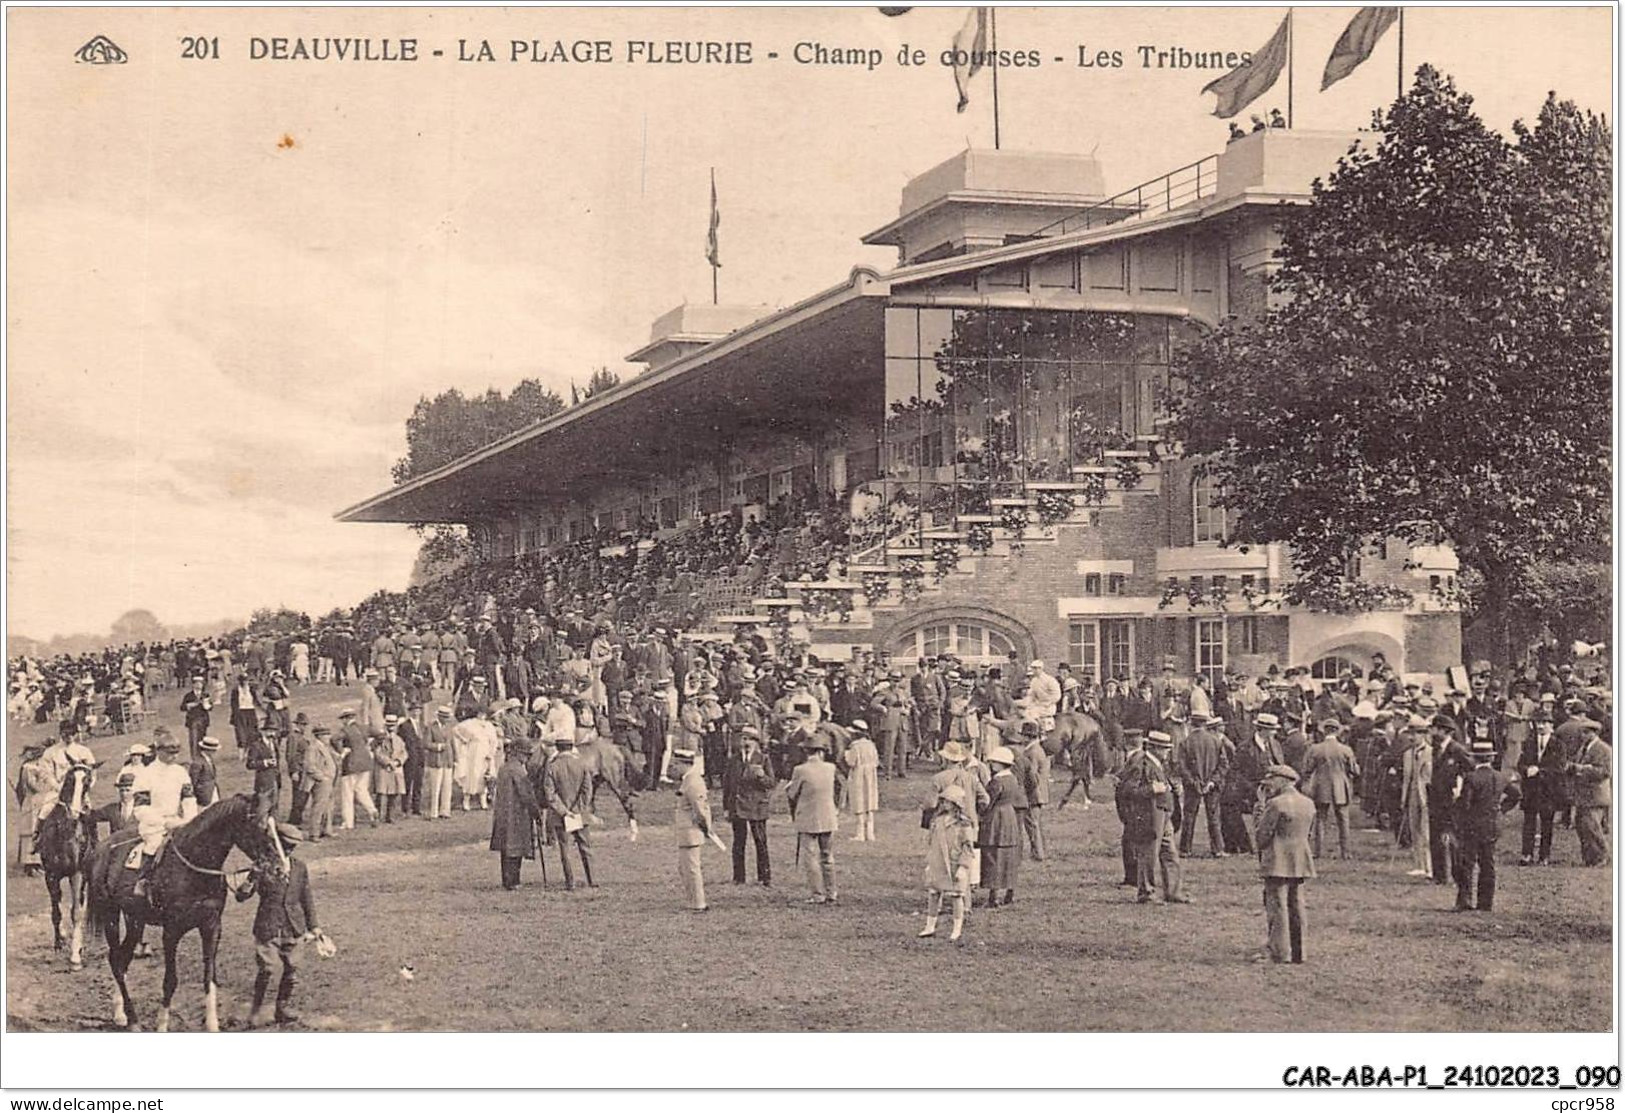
pixel 711 250
pixel 1356 43
pixel 969 52
pixel 1246 83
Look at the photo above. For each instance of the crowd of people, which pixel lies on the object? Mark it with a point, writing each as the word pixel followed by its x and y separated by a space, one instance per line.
pixel 524 687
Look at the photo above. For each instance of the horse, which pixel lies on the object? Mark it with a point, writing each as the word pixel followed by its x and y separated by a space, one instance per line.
pixel 64 843
pixel 1081 739
pixel 609 769
pixel 191 888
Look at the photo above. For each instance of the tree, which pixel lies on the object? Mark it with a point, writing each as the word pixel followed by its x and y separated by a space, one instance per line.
pixel 1436 362
pixel 450 425
pixel 602 379
pixel 137 626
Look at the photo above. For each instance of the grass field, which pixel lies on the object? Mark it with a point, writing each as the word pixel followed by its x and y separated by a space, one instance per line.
pixel 1075 953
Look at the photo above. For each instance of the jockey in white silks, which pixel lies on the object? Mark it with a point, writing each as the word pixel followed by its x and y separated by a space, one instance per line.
pixel 59 757
pixel 164 800
pixel 1044 691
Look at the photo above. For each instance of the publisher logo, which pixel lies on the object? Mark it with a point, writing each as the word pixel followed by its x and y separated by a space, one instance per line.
pixel 101 51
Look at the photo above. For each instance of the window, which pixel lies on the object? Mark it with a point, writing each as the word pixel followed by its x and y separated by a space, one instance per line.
pixel 1209 517
pixel 969 640
pixel 1354 565
pixel 1247 635
pixel 1083 651
pixel 1331 667
pixel 782 481
pixel 1103 647
pixel 935 641
pixel 1117 647
pixel 1117 584
pixel 1210 648
pixel 1091 583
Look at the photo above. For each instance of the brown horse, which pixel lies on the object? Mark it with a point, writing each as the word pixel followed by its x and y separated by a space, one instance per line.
pixel 65 842
pixel 190 887
pixel 1081 739
pixel 609 769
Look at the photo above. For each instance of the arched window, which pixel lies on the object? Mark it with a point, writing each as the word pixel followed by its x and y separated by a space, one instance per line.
pixel 1330 668
pixel 1209 518
pixel 970 641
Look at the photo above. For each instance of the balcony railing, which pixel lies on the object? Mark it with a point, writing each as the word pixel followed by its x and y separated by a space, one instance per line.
pixel 1172 190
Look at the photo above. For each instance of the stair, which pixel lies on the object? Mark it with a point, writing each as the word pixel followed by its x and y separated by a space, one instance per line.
pixel 809 610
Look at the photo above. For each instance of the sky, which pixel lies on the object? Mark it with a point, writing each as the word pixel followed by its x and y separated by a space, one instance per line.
pixel 229 280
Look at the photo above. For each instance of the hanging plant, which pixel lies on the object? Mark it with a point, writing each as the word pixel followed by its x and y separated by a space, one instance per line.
pixel 1127 473
pixel 1170 592
pixel 1014 521
pixel 912 576
pixel 822 602
pixel 876 585
pixel 1055 507
pixel 945 555
pixel 1219 595
pixel 778 617
pixel 1094 490
pixel 1195 594
pixel 979 536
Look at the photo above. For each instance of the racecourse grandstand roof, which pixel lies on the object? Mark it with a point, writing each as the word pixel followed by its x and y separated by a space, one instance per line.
pixel 785 368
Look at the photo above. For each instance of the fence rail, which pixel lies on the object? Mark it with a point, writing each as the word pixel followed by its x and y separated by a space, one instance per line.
pixel 1172 190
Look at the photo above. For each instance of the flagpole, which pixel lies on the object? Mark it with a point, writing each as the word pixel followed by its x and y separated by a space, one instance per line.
pixel 1291 49
pixel 1401 52
pixel 993 20
pixel 713 259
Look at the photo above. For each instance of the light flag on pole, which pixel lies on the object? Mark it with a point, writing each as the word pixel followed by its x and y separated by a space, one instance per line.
pixel 1246 83
pixel 1356 43
pixel 969 52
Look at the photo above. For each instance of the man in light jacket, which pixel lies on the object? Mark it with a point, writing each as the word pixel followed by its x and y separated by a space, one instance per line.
pixel 1284 861
pixel 811 794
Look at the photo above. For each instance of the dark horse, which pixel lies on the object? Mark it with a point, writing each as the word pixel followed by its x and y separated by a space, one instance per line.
pixel 1081 739
pixel 190 887
pixel 65 842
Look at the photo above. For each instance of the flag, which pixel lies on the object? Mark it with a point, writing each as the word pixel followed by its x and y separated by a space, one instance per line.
pixel 1356 43
pixel 711 249
pixel 1246 83
pixel 969 51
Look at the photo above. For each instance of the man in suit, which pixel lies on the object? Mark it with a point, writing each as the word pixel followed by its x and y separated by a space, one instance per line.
pixel 1032 770
pixel 747 783
pixel 1592 770
pixel 811 795
pixel 1329 770
pixel 205 780
pixel 1247 771
pixel 1203 761
pixel 439 761
pixel 1148 799
pixel 321 774
pixel 567 786
pixel 1543 764
pixel 1284 861
pixel 1450 764
pixel 1485 794
pixel 195 705
pixel 1133 744
pixel 286 918
pixel 691 826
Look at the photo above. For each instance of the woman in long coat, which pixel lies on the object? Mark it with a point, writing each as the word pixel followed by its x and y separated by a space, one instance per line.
pixel 389 769
pixel 1001 832
pixel 863 780
pixel 514 813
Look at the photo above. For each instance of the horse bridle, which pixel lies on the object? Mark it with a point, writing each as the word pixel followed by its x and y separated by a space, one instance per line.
pixel 228 874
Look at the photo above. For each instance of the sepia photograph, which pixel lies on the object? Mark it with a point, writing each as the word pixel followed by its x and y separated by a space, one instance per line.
pixel 819 520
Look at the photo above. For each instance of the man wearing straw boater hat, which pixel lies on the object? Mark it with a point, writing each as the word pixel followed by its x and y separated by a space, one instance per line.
pixel 1150 799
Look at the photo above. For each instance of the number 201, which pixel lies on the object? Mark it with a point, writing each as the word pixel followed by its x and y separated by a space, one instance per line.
pixel 200 48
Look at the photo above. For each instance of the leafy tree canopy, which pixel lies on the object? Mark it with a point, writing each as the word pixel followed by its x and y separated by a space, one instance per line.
pixel 450 425
pixel 1435 365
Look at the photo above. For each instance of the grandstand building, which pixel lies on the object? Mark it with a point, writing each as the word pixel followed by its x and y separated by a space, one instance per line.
pixel 989 412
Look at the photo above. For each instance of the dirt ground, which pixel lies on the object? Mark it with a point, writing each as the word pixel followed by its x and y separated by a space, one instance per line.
pixel 1075 952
